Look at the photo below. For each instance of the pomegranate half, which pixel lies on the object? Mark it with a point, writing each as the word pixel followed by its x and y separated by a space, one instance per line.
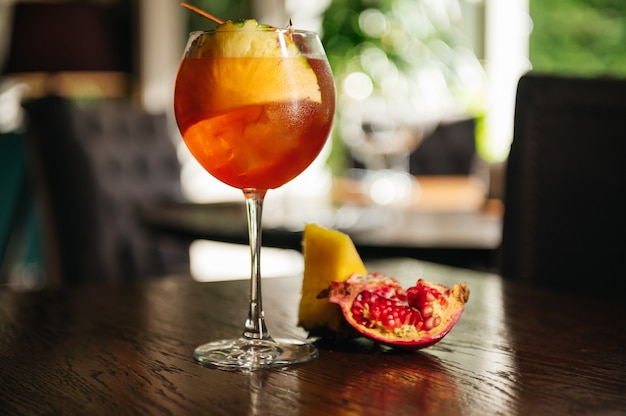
pixel 379 308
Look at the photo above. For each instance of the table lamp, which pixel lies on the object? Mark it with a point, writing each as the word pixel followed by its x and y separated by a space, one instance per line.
pixel 58 43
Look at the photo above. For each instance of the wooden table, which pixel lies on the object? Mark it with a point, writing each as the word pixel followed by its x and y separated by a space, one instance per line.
pixel 126 350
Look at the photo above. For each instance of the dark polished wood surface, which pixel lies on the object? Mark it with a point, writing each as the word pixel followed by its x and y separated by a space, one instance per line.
pixel 127 350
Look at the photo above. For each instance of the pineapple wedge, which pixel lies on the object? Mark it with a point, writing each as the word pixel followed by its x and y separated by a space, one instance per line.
pixel 328 255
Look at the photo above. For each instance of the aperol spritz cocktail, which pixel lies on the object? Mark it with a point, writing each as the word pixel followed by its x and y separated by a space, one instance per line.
pixel 255 105
pixel 244 134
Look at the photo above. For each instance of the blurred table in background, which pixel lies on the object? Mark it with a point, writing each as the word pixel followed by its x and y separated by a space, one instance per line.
pixel 428 193
pixel 445 219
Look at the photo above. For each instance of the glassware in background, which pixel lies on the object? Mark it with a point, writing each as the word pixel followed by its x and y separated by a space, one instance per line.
pixel 382 140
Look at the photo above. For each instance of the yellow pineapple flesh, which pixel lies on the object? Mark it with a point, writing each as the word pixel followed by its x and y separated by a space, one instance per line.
pixel 329 255
pixel 246 53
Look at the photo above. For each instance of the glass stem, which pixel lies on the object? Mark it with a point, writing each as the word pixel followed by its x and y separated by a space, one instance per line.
pixel 255 324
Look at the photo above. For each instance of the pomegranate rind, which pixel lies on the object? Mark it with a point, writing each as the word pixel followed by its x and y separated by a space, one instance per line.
pixel 448 309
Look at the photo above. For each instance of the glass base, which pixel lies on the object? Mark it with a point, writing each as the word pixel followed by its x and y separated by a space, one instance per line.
pixel 253 354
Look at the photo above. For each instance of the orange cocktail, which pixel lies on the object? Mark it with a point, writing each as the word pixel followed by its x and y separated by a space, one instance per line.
pixel 254 105
pixel 257 139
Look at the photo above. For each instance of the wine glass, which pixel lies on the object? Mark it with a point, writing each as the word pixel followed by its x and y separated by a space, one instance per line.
pixel 382 137
pixel 255 108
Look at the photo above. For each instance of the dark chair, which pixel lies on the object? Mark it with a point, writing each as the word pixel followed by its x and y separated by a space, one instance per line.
pixel 450 149
pixel 565 195
pixel 92 167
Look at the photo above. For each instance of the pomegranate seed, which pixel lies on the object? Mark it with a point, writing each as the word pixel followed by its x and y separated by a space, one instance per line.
pixel 429 323
pixel 427 311
pixel 387 307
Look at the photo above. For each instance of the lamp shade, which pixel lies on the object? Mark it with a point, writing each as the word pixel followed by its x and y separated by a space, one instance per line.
pixel 64 37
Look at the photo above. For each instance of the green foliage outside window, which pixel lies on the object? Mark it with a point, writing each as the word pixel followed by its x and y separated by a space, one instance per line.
pixel 224 9
pixel 413 52
pixel 578 37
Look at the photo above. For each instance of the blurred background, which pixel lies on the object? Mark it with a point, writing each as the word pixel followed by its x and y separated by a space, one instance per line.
pixel 417 81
